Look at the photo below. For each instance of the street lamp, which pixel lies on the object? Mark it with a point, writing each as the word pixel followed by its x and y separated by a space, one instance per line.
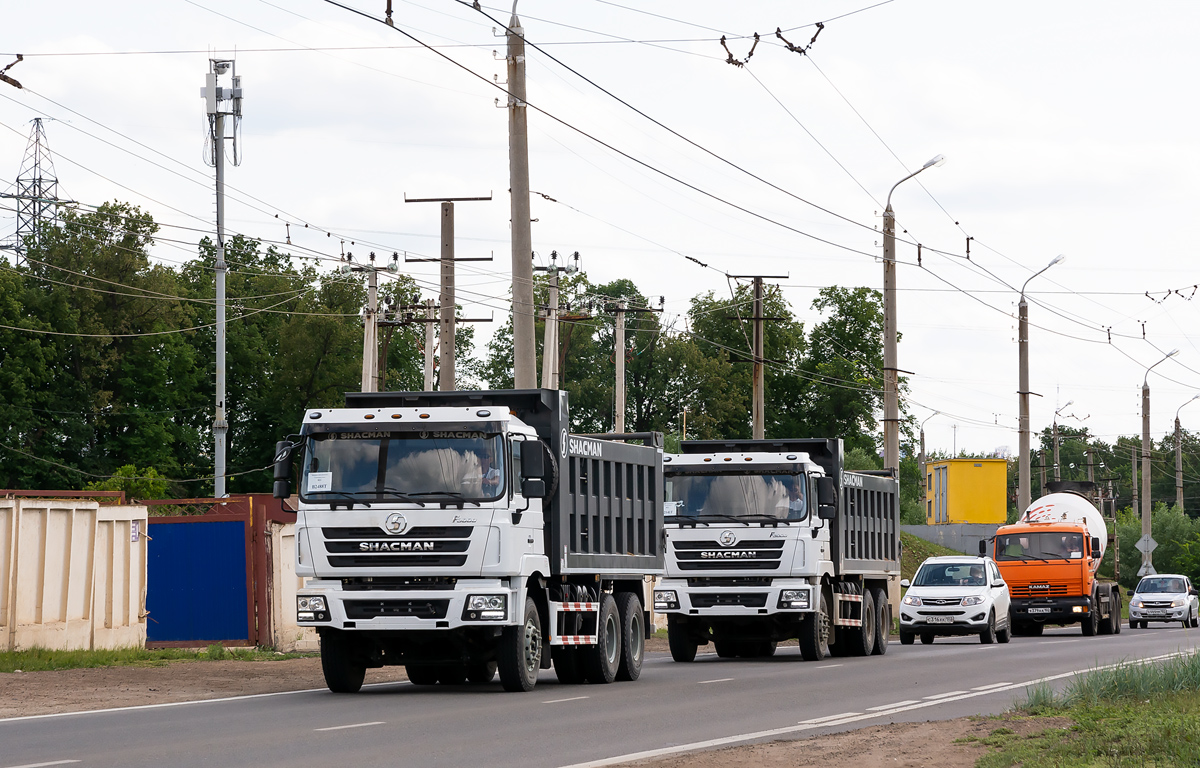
pixel 1023 391
pixel 891 405
pixel 1179 456
pixel 1054 438
pixel 1147 560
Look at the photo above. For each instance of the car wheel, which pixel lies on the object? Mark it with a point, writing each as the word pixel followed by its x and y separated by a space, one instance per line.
pixel 1004 635
pixel 907 638
pixel 988 635
pixel 926 638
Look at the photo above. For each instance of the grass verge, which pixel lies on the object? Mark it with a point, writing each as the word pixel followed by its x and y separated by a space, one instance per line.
pixel 915 550
pixel 1131 715
pixel 41 659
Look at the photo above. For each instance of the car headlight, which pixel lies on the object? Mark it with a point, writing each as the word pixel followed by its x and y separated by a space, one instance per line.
pixel 310 603
pixel 1135 602
pixel 973 600
pixel 665 599
pixel 911 600
pixel 1178 602
pixel 793 598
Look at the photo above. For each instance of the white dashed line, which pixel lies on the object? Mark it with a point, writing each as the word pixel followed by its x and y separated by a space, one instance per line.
pixel 718 680
pixel 816 720
pixel 829 666
pixel 989 687
pixel 43 765
pixel 943 695
pixel 344 727
pixel 897 704
pixel 560 701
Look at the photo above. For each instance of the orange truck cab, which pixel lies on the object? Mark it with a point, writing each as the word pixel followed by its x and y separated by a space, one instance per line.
pixel 1049 559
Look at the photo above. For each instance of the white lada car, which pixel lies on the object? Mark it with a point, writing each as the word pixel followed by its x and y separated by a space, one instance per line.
pixel 1164 597
pixel 955 596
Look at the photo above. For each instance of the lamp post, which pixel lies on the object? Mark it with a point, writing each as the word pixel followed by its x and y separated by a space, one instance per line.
pixel 1179 457
pixel 891 404
pixel 1023 391
pixel 921 459
pixel 1054 439
pixel 1147 559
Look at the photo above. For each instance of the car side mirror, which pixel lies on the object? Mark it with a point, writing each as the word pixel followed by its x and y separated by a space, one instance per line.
pixel 533 488
pixel 1194 592
pixel 998 583
pixel 983 546
pixel 905 583
pixel 283 470
pixel 1131 593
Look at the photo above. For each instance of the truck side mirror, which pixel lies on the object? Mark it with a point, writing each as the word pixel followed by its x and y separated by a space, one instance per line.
pixel 983 546
pixel 533 488
pixel 1095 545
pixel 827 500
pixel 533 463
pixel 283 470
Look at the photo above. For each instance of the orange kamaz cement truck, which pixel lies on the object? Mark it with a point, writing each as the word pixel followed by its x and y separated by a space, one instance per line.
pixel 1049 558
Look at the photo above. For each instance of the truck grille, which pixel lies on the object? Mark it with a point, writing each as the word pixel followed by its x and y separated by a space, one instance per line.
pixel 748 600
pixel 420 547
pixel 729 581
pixel 1027 590
pixel 396 583
pixel 372 609
pixel 749 554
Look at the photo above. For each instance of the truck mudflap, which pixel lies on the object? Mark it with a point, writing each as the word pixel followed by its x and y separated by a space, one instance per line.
pixel 1051 610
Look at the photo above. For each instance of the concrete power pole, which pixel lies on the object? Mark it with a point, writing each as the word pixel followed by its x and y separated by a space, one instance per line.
pixel 550 372
pixel 446 301
pixel 758 409
pixel 1134 483
pixel 1179 455
pixel 371 319
pixel 1054 438
pixel 430 340
pixel 219 103
pixel 524 347
pixel 619 359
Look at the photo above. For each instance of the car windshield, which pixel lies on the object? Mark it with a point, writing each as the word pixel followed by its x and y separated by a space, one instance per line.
pixel 950 575
pixel 1043 545
pixel 425 465
pixel 1161 584
pixel 783 497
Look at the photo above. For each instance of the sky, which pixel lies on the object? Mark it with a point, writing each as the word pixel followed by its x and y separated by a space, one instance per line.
pixel 1068 128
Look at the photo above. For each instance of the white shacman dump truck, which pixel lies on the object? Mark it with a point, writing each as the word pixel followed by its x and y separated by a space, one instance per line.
pixel 769 540
pixel 459 532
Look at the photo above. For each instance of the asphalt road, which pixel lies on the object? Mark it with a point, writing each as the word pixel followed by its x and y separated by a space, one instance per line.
pixel 712 702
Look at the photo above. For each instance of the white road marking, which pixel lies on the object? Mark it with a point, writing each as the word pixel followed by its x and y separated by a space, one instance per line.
pixel 816 720
pixel 848 718
pixel 829 666
pixel 897 704
pixel 718 680
pixel 560 701
pixel 943 695
pixel 989 687
pixel 353 725
pixel 43 765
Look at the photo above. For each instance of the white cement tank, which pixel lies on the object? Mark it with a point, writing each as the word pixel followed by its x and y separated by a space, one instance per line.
pixel 1070 508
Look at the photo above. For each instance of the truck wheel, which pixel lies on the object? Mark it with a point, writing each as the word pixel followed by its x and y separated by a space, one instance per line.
pixel 907 638
pixel 481 672
pixel 766 649
pixel 1004 635
pixel 988 635
pixel 520 654
pixel 727 649
pixel 861 639
pixel 600 661
pixel 344 673
pixel 452 674
pixel 633 636
pixel 683 647
pixel 814 632
pixel 1091 625
pixel 1034 629
pixel 883 621
pixel 568 665
pixel 420 674
pixel 1117 617
pixel 926 638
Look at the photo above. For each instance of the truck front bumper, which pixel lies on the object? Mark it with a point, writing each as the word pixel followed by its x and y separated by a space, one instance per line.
pixel 1051 610
pixel 779 596
pixel 468 603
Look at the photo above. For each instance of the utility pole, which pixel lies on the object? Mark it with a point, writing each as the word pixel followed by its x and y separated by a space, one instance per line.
pixel 1054 438
pixel 446 301
pixel 219 103
pixel 1179 456
pixel 619 358
pixel 36 197
pixel 1134 484
pixel 1147 540
pixel 430 340
pixel 550 371
pixel 1023 472
pixel 1042 455
pixel 524 347
pixel 758 399
pixel 371 321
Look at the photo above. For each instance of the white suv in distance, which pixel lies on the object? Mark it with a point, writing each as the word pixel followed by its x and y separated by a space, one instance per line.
pixel 1164 597
pixel 955 596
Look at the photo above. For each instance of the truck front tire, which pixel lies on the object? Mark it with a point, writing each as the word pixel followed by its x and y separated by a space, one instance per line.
pixel 1091 624
pixel 521 651
pixel 601 661
pixel 683 646
pixel 633 636
pixel 814 632
pixel 344 673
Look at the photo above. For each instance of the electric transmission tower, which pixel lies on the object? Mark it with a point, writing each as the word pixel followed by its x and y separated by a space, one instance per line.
pixel 36 193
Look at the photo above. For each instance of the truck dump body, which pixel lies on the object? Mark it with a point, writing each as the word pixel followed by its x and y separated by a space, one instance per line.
pixel 604 513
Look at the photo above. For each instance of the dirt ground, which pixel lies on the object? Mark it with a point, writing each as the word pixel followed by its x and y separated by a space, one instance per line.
pixel 897 745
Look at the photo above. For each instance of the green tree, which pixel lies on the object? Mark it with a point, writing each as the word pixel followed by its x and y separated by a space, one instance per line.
pixel 138 484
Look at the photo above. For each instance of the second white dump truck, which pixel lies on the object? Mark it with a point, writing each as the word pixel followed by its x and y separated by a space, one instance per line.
pixel 769 540
pixel 459 532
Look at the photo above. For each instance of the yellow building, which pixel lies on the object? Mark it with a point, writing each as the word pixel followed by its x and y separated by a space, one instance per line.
pixel 966 491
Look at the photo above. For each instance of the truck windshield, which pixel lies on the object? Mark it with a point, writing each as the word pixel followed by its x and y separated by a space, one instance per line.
pixel 467 465
pixel 1042 545
pixel 783 497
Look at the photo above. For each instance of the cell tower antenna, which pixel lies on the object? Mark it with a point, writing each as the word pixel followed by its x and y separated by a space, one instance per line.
pixel 36 193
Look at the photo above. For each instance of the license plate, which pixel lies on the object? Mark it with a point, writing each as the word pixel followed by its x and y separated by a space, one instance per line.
pixel 1156 613
pixel 940 619
pixel 1039 610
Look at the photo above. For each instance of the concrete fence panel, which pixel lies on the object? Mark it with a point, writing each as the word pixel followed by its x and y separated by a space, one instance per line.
pixel 287 635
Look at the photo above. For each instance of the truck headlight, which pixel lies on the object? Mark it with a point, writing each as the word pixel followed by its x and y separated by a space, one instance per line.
pixel 314 603
pixel 973 600
pixel 794 598
pixel 665 599
pixel 486 608
pixel 911 600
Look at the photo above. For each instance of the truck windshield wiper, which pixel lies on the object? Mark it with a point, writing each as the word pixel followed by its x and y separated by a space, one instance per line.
pixel 1024 556
pixel 769 518
pixel 346 495
pixel 449 494
pixel 730 518
pixel 401 495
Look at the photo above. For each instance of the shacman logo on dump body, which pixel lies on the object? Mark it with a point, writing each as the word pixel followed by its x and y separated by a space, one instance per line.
pixel 729 554
pixel 395 546
pixel 582 447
